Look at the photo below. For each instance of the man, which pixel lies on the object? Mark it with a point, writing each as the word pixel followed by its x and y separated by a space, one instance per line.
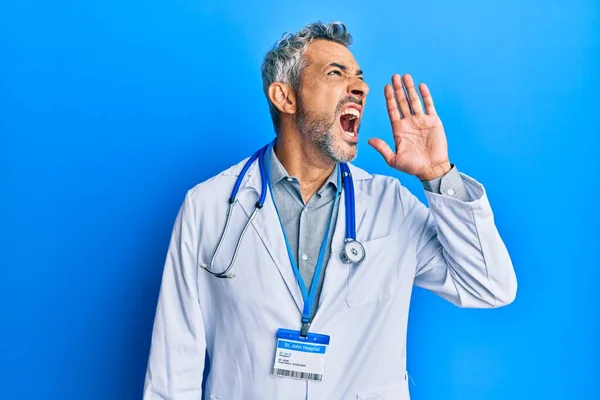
pixel 265 339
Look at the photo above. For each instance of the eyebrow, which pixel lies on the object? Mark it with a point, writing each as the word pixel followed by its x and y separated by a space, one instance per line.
pixel 344 68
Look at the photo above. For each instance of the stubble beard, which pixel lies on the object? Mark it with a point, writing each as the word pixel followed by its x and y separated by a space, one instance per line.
pixel 318 130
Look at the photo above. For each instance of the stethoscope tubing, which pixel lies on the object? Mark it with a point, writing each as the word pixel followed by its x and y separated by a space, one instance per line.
pixel 347 184
pixel 349 202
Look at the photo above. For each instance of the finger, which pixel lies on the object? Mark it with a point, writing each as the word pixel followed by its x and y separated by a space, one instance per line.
pixel 383 149
pixel 413 96
pixel 401 96
pixel 427 99
pixel 392 105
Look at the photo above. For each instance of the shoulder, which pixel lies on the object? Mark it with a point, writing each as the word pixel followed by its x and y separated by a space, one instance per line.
pixel 383 190
pixel 374 184
pixel 216 190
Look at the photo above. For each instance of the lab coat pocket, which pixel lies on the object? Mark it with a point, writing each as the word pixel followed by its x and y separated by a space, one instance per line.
pixel 376 278
pixel 395 392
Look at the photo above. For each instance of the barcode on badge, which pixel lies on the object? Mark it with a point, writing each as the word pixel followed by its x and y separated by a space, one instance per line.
pixel 297 375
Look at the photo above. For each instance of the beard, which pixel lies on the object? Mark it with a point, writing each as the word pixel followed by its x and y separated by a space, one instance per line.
pixel 318 130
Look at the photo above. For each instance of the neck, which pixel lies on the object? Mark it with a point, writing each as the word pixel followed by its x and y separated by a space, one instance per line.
pixel 301 160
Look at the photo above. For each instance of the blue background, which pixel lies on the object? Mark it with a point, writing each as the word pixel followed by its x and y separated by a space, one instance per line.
pixel 110 111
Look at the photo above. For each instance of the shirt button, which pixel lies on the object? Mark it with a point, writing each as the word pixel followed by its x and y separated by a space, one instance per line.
pixel 289 179
pixel 450 192
pixel 304 257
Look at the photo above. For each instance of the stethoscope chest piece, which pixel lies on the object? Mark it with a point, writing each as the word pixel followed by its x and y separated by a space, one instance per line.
pixel 353 252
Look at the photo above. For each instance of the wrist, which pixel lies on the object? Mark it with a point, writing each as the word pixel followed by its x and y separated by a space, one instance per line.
pixel 436 171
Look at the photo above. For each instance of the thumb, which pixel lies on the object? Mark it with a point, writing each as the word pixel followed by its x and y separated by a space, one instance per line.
pixel 383 149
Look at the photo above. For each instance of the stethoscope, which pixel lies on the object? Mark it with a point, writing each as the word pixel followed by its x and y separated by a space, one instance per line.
pixel 353 251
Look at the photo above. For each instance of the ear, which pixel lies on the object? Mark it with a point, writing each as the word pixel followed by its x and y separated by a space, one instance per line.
pixel 283 97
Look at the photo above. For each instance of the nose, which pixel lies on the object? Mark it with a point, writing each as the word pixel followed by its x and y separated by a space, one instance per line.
pixel 358 88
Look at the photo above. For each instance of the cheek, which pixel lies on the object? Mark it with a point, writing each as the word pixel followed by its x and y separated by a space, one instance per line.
pixel 322 98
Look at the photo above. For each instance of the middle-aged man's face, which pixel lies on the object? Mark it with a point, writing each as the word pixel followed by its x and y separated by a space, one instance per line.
pixel 330 100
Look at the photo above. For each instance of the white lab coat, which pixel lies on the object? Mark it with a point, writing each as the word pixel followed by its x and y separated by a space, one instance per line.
pixel 452 248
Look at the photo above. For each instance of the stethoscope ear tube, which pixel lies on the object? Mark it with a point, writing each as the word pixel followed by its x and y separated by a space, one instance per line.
pixel 232 199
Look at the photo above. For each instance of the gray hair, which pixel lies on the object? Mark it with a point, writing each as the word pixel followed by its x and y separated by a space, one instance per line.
pixel 285 61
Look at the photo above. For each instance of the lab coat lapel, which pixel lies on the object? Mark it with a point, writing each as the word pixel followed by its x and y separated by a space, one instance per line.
pixel 267 225
pixel 336 273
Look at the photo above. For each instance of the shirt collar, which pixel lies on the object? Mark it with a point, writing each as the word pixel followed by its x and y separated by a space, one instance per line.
pixel 278 173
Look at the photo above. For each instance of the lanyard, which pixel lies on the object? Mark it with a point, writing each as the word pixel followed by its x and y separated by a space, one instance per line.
pixel 307 296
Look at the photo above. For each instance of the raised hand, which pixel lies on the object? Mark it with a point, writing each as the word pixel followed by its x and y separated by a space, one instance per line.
pixel 421 147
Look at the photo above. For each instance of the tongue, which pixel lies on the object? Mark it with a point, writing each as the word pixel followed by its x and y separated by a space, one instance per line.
pixel 346 123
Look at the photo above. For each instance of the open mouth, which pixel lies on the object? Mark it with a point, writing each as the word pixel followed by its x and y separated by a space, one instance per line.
pixel 349 119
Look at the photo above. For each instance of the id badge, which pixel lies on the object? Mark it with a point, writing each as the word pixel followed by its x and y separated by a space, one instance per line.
pixel 298 357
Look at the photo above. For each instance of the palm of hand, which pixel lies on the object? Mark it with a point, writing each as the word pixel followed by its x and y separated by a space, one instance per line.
pixel 420 143
pixel 419 138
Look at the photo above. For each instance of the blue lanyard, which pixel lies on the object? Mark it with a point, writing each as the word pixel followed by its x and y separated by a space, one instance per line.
pixel 307 296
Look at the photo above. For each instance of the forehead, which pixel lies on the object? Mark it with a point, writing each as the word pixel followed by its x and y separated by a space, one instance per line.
pixel 323 52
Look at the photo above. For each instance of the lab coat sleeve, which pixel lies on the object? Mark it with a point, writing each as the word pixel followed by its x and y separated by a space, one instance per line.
pixel 460 255
pixel 176 361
